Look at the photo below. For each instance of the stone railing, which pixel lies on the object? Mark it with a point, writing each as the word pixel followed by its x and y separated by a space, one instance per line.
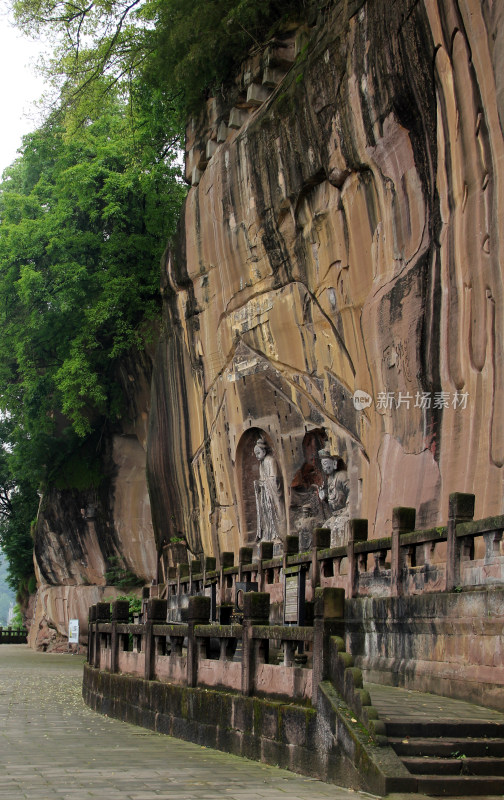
pixel 13 635
pixel 288 637
pixel 251 658
pixel 463 553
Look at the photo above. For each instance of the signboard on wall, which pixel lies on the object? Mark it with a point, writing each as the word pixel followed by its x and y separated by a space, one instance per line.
pixel 294 596
pixel 73 631
pixel 291 598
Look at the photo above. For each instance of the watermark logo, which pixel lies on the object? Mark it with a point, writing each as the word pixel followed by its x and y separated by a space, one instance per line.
pixel 361 400
pixel 423 400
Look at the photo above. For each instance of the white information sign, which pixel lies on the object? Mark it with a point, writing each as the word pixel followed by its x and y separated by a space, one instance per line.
pixel 73 631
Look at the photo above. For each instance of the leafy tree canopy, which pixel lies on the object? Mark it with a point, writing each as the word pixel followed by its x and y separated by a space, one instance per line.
pixel 182 47
pixel 84 220
pixel 18 508
pixel 85 213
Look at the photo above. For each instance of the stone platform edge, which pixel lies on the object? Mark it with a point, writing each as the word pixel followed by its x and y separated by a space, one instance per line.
pixel 325 743
pixel 446 643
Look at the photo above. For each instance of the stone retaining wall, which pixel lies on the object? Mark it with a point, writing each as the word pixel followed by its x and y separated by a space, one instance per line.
pixel 325 742
pixel 262 729
pixel 448 643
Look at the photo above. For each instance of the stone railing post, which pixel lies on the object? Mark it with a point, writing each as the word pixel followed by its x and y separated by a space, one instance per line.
pixel 265 554
pixel 198 613
pixel 171 576
pixel 358 532
pixel 403 521
pixel 256 607
pixel 195 568
pixel 460 509
pixel 227 560
pixel 329 614
pixel 146 595
pixel 492 541
pixel 120 614
pixel 91 649
pixel 182 572
pixel 102 615
pixel 244 557
pixel 321 540
pixel 156 612
pixel 209 565
pixel 290 547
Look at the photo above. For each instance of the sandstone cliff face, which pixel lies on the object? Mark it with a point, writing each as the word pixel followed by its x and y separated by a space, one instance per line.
pixel 342 236
pixel 81 538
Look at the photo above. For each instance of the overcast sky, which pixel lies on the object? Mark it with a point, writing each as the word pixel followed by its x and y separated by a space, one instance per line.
pixel 20 87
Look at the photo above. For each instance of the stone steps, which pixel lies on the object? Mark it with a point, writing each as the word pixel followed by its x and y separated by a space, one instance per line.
pixel 451 757
pixel 450 747
pixel 447 728
pixel 456 786
pixel 444 747
pixel 460 765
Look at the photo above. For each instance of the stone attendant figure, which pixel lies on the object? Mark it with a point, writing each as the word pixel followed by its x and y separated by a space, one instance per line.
pixel 268 494
pixel 335 492
pixel 304 525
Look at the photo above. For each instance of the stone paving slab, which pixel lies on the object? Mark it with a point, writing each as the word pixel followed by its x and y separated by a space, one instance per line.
pixel 408 705
pixel 53 747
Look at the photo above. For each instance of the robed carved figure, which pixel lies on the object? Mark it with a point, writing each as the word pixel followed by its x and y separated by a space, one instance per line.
pixel 335 493
pixel 269 495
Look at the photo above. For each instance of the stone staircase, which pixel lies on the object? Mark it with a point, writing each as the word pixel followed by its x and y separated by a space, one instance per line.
pixel 450 747
pixel 449 759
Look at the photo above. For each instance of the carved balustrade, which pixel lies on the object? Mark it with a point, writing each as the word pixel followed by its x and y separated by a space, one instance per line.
pixel 11 635
pixel 463 553
pixel 251 658
pixel 261 655
pixel 198 653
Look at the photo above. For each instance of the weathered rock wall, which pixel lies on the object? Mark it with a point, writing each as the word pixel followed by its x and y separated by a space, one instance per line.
pixel 83 537
pixel 345 238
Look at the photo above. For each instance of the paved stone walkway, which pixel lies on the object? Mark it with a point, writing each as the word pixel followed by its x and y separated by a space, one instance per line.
pixel 410 706
pixel 52 747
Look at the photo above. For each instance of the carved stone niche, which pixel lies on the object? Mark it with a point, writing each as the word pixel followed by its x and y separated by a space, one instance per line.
pixel 253 487
pixel 305 504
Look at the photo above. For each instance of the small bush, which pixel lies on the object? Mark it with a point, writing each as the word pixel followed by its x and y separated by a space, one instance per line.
pixel 121 576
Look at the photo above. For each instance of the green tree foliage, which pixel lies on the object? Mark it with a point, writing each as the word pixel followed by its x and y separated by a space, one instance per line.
pixel 17 619
pixel 184 48
pixel 6 594
pixel 18 508
pixel 84 220
pixel 85 213
pixel 16 540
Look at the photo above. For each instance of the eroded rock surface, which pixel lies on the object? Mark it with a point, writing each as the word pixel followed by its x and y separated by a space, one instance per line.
pixel 340 241
pixel 341 236
pixel 87 541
